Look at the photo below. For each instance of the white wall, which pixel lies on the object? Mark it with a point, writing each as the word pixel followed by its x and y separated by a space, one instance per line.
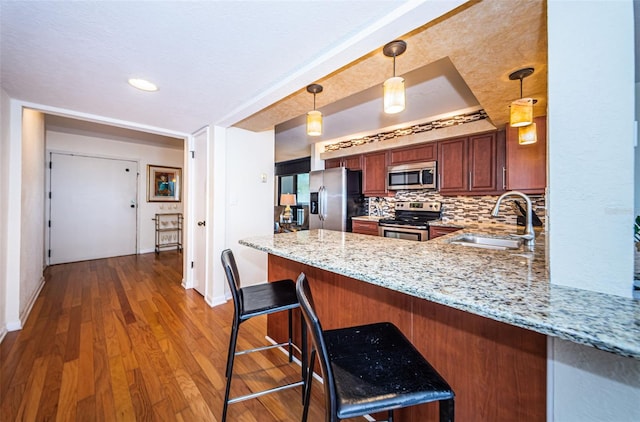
pixel 249 199
pixel 591 113
pixel 142 153
pixel 5 106
pixel 32 225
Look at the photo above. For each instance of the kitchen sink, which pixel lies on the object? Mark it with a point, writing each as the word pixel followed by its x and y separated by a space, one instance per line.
pixel 481 241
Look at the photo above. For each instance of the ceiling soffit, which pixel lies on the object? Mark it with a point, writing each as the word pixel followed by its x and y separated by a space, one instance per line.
pixel 485 40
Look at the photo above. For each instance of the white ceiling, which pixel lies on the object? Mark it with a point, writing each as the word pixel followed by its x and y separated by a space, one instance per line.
pixel 215 62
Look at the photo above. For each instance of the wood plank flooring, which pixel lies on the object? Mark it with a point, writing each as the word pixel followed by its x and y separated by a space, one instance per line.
pixel 119 339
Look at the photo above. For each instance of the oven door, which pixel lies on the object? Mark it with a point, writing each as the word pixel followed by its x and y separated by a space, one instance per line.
pixel 404 232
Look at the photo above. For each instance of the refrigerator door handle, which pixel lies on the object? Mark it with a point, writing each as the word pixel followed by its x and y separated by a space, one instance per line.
pixel 322 203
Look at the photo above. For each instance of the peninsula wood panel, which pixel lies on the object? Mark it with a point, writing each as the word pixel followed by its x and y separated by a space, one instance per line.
pixel 497 371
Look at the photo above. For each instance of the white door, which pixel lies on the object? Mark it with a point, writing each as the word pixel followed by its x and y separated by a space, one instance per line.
pixel 93 208
pixel 199 191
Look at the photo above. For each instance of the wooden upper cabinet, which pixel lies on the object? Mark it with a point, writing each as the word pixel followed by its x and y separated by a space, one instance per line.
pixel 472 165
pixel 352 162
pixel 332 163
pixel 374 174
pixel 424 152
pixel 482 163
pixel 452 166
pixel 526 165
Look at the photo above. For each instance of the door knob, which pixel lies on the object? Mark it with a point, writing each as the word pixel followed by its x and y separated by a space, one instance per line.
pixel 202 223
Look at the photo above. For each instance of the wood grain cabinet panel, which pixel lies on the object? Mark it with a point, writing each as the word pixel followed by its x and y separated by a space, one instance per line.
pixel 374 174
pixel 526 165
pixel 352 162
pixel 472 165
pixel 498 371
pixel 424 152
pixel 452 166
pixel 437 231
pixel 365 227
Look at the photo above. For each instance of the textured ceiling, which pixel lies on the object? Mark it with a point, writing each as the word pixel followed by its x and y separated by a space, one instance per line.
pixel 484 40
pixel 216 62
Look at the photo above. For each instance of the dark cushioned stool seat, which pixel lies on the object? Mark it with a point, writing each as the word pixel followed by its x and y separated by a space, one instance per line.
pixel 369 368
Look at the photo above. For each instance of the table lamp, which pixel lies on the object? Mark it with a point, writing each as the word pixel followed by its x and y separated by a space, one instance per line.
pixel 287 199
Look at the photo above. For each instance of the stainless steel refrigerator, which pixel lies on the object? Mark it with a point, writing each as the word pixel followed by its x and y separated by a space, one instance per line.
pixel 335 197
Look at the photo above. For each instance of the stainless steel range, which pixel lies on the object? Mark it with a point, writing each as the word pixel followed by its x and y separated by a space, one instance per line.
pixel 411 221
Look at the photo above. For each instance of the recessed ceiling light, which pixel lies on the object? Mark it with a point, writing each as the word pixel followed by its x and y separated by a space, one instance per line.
pixel 143 84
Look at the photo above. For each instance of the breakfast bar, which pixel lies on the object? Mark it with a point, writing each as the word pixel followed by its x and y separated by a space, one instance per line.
pixel 480 316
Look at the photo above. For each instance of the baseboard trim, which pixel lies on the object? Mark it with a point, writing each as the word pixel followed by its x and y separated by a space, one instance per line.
pixel 3 333
pixel 215 301
pixel 27 310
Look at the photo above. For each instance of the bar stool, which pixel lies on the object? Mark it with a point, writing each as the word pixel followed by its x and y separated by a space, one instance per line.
pixel 369 368
pixel 252 301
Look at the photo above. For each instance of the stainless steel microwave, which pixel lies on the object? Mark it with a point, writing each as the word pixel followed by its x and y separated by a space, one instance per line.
pixel 412 176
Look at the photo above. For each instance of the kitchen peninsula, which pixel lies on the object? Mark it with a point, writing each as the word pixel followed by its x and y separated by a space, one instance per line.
pixel 480 316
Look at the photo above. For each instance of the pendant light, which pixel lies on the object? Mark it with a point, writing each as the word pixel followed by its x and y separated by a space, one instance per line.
pixel 314 117
pixel 393 88
pixel 527 134
pixel 521 109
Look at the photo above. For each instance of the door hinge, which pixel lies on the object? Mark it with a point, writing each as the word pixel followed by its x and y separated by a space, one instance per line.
pixel 50 164
pixel 49 253
pixel 49 223
pixel 49 195
pixel 191 264
pixel 193 154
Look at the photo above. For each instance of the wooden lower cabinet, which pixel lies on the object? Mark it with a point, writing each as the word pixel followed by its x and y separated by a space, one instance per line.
pixel 437 231
pixel 497 371
pixel 364 227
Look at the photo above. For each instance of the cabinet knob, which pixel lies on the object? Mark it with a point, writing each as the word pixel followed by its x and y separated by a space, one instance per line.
pixel 202 223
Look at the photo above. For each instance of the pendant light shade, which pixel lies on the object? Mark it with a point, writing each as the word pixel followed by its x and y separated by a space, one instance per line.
pixel 314 123
pixel 394 98
pixel 393 88
pixel 521 112
pixel 521 109
pixel 314 117
pixel 527 134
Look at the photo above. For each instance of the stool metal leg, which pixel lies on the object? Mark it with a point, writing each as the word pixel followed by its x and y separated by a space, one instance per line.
pixel 290 336
pixel 447 410
pixel 230 359
pixel 307 386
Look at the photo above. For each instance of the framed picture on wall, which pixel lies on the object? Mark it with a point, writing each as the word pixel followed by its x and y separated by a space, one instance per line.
pixel 163 183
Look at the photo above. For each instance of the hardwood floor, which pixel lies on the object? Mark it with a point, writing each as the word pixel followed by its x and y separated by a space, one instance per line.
pixel 120 339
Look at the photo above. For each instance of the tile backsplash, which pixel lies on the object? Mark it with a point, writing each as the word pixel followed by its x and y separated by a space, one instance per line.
pixel 460 209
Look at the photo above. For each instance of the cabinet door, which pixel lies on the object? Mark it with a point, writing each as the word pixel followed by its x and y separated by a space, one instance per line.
pixel 332 163
pixel 452 166
pixel 353 162
pixel 374 174
pixel 365 227
pixel 482 163
pixel 526 165
pixel 437 231
pixel 425 152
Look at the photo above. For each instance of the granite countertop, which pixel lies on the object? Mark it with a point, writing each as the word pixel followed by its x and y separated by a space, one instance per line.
pixel 508 286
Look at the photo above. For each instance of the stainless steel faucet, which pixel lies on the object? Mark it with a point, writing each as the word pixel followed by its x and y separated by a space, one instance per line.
pixel 528 236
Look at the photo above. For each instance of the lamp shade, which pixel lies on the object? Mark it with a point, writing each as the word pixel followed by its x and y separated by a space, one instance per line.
pixel 314 123
pixel 521 112
pixel 394 96
pixel 288 199
pixel 527 134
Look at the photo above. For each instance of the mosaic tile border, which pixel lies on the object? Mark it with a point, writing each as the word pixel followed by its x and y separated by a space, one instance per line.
pixel 411 130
